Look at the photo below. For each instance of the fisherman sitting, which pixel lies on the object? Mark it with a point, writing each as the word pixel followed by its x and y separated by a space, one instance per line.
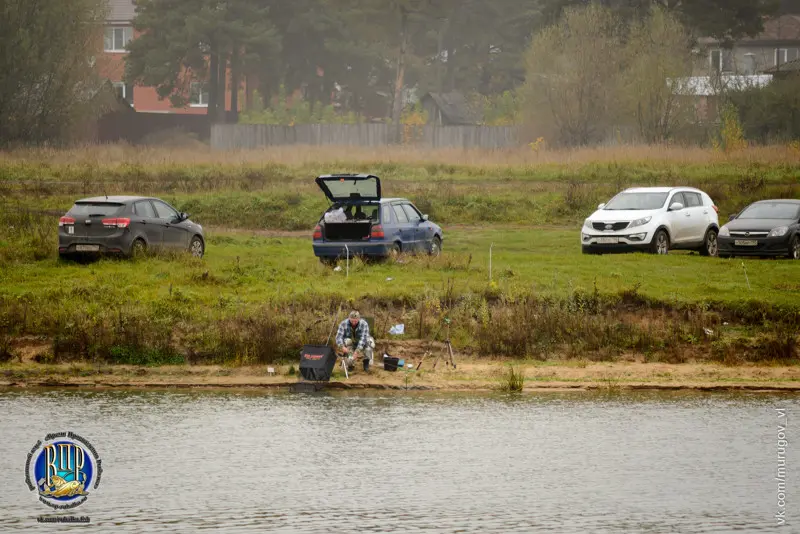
pixel 353 341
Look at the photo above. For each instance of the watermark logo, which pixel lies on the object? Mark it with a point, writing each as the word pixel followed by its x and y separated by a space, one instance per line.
pixel 780 476
pixel 63 469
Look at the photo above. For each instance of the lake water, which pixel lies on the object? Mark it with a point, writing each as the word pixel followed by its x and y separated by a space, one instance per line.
pixel 183 461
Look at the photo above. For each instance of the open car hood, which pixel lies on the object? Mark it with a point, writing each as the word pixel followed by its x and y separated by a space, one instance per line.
pixel 350 187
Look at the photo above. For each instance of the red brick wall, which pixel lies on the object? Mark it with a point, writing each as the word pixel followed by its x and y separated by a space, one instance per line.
pixel 111 65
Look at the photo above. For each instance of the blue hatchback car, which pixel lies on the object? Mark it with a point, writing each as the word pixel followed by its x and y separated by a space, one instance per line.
pixel 361 223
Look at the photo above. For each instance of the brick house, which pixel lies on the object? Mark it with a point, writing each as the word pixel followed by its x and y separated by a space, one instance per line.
pixel 118 32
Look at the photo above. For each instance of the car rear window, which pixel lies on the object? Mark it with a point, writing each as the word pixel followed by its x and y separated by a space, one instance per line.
pixel 692 199
pixel 144 209
pixel 771 210
pixel 96 209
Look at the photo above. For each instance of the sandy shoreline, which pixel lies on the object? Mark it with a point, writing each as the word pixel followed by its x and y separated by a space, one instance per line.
pixel 468 376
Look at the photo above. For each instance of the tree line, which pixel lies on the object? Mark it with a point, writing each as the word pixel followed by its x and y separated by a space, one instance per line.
pixel 372 51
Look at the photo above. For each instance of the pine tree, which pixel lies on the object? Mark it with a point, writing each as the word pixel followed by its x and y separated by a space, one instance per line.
pixel 196 40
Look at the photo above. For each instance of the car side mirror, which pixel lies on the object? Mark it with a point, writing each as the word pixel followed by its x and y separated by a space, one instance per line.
pixel 731 217
pixel 183 216
pixel 601 206
pixel 425 217
pixel 676 206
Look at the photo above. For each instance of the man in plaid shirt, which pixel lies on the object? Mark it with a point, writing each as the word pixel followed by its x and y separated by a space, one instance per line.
pixel 353 340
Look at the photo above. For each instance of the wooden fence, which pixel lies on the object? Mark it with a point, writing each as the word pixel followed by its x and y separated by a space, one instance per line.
pixel 244 136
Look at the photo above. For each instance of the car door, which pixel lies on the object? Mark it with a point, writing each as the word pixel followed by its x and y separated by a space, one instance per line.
pixel 698 217
pixel 145 221
pixel 679 220
pixel 390 228
pixel 404 227
pixel 418 224
pixel 175 234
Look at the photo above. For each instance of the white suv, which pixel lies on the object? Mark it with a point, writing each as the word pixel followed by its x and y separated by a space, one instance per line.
pixel 653 219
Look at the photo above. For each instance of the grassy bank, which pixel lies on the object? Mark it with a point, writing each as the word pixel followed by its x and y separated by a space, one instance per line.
pixel 256 299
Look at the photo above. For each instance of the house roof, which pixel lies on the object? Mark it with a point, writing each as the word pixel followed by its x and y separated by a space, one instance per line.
pixel 789 66
pixel 783 28
pixel 120 11
pixel 455 107
pixel 713 85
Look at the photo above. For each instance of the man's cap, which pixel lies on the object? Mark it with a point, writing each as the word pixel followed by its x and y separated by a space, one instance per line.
pixel 355 315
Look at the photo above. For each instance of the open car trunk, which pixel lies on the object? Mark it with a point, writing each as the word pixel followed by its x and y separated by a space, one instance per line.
pixel 347 231
pixel 350 187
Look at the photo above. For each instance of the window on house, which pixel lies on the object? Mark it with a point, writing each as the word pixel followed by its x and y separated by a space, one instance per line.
pixel 727 61
pixel 124 90
pixel 750 64
pixel 780 56
pixel 198 94
pixel 716 60
pixel 117 38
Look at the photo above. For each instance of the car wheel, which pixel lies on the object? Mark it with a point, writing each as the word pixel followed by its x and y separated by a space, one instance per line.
pixel 436 246
pixel 710 245
pixel 138 248
pixel 660 244
pixel 196 247
pixel 794 248
pixel 327 261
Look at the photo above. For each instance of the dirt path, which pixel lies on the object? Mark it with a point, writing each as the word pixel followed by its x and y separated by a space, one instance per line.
pixel 277 233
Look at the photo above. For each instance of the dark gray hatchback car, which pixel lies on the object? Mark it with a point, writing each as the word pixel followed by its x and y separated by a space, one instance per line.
pixel 126 225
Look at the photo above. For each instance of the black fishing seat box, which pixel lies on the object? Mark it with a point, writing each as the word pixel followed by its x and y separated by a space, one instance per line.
pixel 317 362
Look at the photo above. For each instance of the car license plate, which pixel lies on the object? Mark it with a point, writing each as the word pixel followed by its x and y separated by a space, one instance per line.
pixel 746 243
pixel 608 240
pixel 87 248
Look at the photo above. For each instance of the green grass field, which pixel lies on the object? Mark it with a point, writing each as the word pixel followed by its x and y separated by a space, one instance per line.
pixel 255 269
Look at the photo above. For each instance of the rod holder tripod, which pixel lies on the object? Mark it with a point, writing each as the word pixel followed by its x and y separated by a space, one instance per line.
pixel 447 351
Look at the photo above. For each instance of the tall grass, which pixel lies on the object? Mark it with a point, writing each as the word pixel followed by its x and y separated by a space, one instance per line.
pixel 513 381
pixel 298 155
pixel 275 195
pixel 178 326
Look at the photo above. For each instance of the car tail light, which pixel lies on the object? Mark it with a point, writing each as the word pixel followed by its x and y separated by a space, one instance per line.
pixel 377 232
pixel 66 220
pixel 121 222
pixel 318 232
pixel 715 207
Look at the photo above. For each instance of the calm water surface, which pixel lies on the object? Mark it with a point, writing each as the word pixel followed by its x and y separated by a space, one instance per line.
pixel 556 462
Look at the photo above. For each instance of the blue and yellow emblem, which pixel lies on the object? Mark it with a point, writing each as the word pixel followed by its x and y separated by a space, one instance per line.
pixel 63 468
